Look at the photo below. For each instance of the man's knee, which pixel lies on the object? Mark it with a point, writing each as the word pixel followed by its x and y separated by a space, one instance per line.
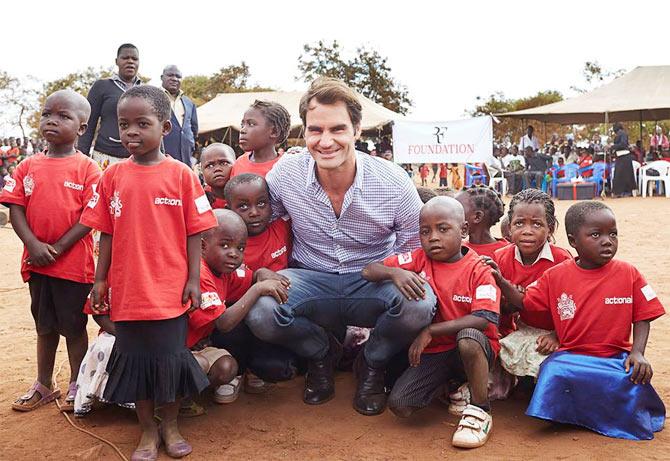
pixel 261 318
pixel 416 314
pixel 401 412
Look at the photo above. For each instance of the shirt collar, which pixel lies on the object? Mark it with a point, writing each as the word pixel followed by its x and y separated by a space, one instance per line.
pixel 180 93
pixel 545 253
pixel 124 85
pixel 358 179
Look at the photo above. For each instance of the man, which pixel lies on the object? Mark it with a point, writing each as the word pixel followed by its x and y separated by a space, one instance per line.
pixel 180 143
pixel 529 140
pixel 536 168
pixel 347 209
pixel 659 141
pixel 514 164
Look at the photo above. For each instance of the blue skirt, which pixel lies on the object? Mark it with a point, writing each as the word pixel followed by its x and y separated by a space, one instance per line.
pixel 596 393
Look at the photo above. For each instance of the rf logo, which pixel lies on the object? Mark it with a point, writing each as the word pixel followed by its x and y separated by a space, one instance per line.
pixel 440 133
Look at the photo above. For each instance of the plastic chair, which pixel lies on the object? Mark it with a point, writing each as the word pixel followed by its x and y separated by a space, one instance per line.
pixel 503 183
pixel 570 172
pixel 598 170
pixel 663 167
pixel 474 173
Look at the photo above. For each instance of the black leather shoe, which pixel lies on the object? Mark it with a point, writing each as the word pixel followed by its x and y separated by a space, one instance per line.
pixel 319 379
pixel 370 398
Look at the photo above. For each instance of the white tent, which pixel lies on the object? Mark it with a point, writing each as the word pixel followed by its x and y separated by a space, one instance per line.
pixel 641 94
pixel 226 110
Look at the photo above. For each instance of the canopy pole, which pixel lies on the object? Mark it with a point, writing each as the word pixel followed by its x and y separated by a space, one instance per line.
pixel 545 131
pixel 640 127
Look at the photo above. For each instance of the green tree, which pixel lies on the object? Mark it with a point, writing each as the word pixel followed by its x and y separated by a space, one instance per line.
pixel 368 72
pixel 595 75
pixel 18 98
pixel 229 79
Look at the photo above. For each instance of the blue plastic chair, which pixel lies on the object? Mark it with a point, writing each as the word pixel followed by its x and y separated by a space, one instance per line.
pixel 474 173
pixel 598 170
pixel 570 172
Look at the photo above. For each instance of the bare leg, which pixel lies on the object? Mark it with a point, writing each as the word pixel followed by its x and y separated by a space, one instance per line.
pixel 145 415
pixel 76 349
pixel 46 355
pixel 476 368
pixel 169 428
pixel 222 371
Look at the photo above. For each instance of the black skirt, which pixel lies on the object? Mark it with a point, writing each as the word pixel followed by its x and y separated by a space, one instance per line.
pixel 150 361
pixel 624 176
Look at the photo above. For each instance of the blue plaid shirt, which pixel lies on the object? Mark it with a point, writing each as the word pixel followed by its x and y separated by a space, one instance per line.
pixel 379 217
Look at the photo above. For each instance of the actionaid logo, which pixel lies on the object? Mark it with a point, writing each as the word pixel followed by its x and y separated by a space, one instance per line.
pixel 167 201
pixel 462 299
pixel 625 300
pixel 279 252
pixel 71 185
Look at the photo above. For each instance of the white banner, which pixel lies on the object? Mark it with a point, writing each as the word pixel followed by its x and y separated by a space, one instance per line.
pixel 459 141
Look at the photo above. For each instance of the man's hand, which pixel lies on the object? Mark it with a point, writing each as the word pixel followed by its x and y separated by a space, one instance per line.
pixel 642 371
pixel 263 274
pixel 191 295
pixel 273 287
pixel 409 284
pixel 418 345
pixel 41 254
pixel 98 298
pixel 546 344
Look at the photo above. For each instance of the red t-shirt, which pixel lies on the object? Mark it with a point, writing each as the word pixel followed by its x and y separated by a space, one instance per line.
pixel 243 164
pixel 215 291
pixel 215 202
pixel 443 170
pixel 149 211
pixel 487 249
pixel 461 288
pixel 424 171
pixel 521 275
pixel 271 249
pixel 592 310
pixel 54 192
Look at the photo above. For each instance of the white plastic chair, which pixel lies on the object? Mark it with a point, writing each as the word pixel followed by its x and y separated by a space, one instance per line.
pixel 663 167
pixel 502 181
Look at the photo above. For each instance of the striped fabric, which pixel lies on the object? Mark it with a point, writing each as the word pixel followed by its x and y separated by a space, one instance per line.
pixel 379 217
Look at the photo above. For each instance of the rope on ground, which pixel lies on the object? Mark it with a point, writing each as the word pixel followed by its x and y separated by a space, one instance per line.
pixel 8 290
pixel 79 428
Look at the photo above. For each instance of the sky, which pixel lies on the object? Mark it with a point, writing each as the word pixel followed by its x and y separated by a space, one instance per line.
pixel 447 54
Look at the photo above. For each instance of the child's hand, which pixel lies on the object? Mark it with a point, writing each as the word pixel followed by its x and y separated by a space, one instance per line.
pixel 98 293
pixel 41 254
pixel 546 344
pixel 418 345
pixel 642 371
pixel 495 270
pixel 191 293
pixel 410 284
pixel 274 288
pixel 263 274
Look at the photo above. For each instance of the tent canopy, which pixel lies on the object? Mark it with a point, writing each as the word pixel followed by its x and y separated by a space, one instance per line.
pixel 226 110
pixel 641 94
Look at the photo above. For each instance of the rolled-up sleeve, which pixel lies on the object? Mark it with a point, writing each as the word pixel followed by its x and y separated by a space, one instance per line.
pixel 407 220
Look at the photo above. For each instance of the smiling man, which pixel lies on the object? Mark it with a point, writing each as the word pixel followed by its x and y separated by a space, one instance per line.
pixel 347 209
pixel 180 143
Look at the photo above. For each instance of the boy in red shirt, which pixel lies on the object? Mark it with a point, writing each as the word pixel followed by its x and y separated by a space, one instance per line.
pixel 462 341
pixel 424 171
pixel 46 197
pixel 597 379
pixel 216 163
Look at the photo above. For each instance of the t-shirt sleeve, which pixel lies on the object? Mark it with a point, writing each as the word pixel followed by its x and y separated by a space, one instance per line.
pixel 93 176
pixel 408 261
pixel 13 192
pixel 646 305
pixel 238 283
pixel 485 292
pixel 537 305
pixel 96 213
pixel 209 295
pixel 197 210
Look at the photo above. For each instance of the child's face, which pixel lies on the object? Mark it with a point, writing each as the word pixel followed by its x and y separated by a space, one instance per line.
pixel 139 127
pixel 596 240
pixel 529 228
pixel 216 165
pixel 223 248
pixel 441 233
pixel 255 131
pixel 60 121
pixel 251 201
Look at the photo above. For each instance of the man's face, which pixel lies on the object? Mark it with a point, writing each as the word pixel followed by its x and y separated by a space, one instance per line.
pixel 171 79
pixel 330 136
pixel 530 131
pixel 128 62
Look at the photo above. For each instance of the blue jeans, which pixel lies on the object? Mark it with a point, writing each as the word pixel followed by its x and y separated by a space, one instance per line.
pixel 320 302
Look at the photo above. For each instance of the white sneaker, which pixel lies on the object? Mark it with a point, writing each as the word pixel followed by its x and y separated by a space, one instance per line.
pixel 459 400
pixel 474 428
pixel 255 385
pixel 227 393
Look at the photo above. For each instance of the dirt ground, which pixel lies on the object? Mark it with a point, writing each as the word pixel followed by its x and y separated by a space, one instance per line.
pixel 279 426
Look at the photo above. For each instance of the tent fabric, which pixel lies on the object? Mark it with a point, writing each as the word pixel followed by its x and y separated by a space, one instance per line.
pixel 641 94
pixel 226 110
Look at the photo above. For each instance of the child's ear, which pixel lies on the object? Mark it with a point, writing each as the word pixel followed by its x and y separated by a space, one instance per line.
pixel 479 216
pixel 82 129
pixel 203 244
pixel 464 230
pixel 571 240
pixel 167 127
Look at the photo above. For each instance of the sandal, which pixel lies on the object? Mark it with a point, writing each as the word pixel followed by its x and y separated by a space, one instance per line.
pixel 68 404
pixel 191 409
pixel 46 396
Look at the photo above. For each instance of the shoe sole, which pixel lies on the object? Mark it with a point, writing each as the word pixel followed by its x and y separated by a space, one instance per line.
pixel 369 413
pixel 469 445
pixel 321 402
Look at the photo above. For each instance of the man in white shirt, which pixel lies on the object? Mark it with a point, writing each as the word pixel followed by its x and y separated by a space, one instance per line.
pixel 515 165
pixel 529 139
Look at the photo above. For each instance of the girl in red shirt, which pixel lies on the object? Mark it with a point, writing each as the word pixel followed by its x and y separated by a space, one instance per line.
pixel 264 125
pixel 483 209
pixel 424 171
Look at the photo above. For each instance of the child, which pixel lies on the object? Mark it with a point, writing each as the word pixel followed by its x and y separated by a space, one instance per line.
pixel 463 339
pixel 150 210
pixel 505 229
pixel 216 163
pixel 597 379
pixel 456 181
pixel 532 222
pixel 425 194
pixel 483 209
pixel 264 125
pixel 424 171
pixel 221 279
pixel 46 196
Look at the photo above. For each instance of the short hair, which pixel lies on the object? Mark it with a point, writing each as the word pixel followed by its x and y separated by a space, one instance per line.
pixel 531 127
pixel 488 200
pixel 278 117
pixel 577 213
pixel 218 145
pixel 124 46
pixel 529 196
pixel 154 96
pixel 327 90
pixel 425 194
pixel 244 178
